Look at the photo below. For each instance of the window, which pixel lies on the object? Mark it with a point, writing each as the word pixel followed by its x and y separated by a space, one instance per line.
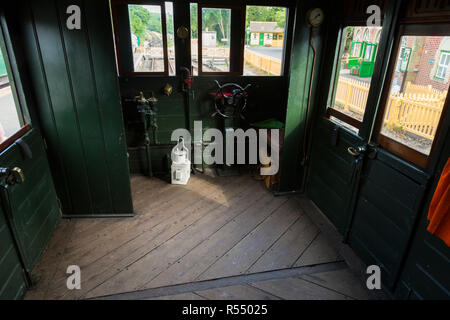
pixel 444 62
pixel 354 73
pixel 214 40
pixel 12 122
pixel 194 37
pixel 151 38
pixel 264 54
pixel 415 100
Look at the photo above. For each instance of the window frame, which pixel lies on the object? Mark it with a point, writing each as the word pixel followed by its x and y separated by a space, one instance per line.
pixel 401 150
pixel 14 79
pixel 117 40
pixel 446 67
pixel 330 111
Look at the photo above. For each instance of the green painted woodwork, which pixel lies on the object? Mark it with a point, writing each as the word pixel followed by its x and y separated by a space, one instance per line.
pixel 366 69
pixel 298 90
pixel 171 110
pixel 77 98
pixel 425 274
pixel 331 176
pixel 386 210
pixel 31 207
pixel 261 39
pixel 12 279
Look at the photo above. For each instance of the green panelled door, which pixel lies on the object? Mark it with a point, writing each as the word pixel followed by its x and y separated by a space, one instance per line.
pixel 31 207
pixel 12 279
pixel 261 39
pixel 75 84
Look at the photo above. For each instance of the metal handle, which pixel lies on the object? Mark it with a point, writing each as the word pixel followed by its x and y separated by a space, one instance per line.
pixel 353 151
pixel 356 152
pixel 12 176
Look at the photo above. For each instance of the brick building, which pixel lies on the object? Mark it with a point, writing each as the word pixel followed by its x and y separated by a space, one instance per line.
pixel 428 64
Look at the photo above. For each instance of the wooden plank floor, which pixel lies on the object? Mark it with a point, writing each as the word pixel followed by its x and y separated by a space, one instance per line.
pixel 210 229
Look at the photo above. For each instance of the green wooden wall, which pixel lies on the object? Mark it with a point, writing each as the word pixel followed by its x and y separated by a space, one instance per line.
pixel 74 83
pixel 172 109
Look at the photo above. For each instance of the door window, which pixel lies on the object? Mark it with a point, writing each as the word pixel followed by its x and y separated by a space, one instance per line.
pixel 416 98
pixel 354 72
pixel 264 58
pixel 11 116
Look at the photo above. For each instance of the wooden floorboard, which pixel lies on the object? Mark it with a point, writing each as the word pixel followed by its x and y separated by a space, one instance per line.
pixel 137 275
pixel 242 256
pixel 148 236
pixel 286 250
pixel 199 259
pixel 212 228
pixel 319 251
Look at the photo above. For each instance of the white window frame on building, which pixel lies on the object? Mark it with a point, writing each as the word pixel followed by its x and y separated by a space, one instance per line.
pixel 443 64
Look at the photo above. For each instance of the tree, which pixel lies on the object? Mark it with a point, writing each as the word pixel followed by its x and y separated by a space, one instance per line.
pixel 142 20
pixel 137 26
pixel 217 20
pixel 194 18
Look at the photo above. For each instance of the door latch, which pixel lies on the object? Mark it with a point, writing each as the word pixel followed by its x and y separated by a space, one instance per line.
pixel 356 152
pixel 12 176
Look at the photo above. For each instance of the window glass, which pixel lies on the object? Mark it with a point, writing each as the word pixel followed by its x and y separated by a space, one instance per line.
pixel 418 91
pixel 147 37
pixel 264 47
pixel 194 37
pixel 444 62
pixel 215 33
pixel 355 69
pixel 10 118
pixel 170 37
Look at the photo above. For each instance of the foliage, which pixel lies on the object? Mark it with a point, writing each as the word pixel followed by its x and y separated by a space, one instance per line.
pixel 194 18
pixel 217 20
pixel 142 20
pixel 348 38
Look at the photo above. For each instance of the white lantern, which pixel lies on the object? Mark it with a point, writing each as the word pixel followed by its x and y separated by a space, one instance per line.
pixel 181 166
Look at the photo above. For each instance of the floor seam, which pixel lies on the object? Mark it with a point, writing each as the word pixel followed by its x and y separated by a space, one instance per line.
pixel 264 291
pixel 341 293
pixel 276 240
pixel 225 282
pixel 307 247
